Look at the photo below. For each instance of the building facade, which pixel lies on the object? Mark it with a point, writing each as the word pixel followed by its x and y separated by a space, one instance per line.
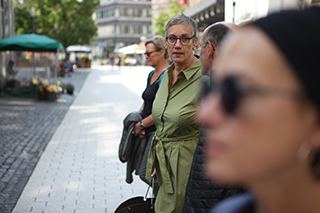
pixel 243 11
pixel 122 23
pixel 205 12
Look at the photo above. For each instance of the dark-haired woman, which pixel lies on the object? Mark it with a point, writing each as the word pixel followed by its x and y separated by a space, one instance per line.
pixel 263 115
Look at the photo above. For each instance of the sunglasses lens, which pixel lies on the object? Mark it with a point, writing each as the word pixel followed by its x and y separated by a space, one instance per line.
pixel 230 94
pixel 229 90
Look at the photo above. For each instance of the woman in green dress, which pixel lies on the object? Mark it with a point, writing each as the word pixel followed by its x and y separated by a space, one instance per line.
pixel 173 112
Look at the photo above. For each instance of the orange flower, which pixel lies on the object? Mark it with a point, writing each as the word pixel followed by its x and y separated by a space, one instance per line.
pixel 50 89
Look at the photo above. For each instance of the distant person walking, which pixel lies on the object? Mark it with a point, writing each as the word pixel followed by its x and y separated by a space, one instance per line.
pixel 119 60
pixel 112 57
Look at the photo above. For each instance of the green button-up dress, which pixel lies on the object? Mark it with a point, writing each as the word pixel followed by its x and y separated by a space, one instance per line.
pixel 176 137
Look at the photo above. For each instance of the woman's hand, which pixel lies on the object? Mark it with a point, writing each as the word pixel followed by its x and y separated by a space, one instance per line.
pixel 138 131
pixel 142 134
pixel 154 172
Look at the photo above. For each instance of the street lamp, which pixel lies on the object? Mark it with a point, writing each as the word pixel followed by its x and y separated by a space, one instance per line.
pixel 56 30
pixel 56 57
pixel 234 10
pixel 32 11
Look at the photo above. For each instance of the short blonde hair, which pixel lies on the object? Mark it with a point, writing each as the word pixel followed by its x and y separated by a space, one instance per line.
pixel 159 43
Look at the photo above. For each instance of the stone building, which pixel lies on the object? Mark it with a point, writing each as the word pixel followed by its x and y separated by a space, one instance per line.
pixel 243 11
pixel 204 12
pixel 122 23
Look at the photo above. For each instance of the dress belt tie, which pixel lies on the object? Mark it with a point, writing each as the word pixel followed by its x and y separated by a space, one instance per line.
pixel 157 153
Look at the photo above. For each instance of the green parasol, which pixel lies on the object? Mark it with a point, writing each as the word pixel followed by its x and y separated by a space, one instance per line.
pixel 30 42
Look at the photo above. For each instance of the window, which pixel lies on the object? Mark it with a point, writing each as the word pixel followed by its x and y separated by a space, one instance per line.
pixel 136 29
pixel 106 30
pixel 129 12
pixel 122 11
pixel 136 12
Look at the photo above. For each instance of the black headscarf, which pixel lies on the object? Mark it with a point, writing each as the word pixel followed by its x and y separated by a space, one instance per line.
pixel 297 35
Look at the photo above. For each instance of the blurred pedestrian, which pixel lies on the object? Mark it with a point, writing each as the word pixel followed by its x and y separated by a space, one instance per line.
pixel 173 113
pixel 68 66
pixel 112 58
pixel 119 60
pixel 262 115
pixel 78 62
pixel 201 193
pixel 156 55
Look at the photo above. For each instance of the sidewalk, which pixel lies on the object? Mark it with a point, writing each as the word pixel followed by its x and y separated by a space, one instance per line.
pixel 79 170
pixel 26 126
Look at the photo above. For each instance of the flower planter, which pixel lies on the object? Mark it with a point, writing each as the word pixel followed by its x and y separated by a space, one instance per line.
pixel 51 96
pixel 86 64
pixel 24 64
pixel 42 95
pixel 22 93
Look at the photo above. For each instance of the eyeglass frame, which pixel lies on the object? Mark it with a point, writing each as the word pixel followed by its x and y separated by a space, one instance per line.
pixel 179 39
pixel 230 102
pixel 149 53
pixel 205 44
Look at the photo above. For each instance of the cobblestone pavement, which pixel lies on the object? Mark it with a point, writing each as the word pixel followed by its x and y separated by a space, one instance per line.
pixel 26 126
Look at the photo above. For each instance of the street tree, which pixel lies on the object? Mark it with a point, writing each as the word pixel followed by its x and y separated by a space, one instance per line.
pixel 73 17
pixel 164 17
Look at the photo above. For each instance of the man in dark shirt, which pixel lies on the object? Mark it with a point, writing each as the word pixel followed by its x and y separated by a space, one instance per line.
pixel 202 194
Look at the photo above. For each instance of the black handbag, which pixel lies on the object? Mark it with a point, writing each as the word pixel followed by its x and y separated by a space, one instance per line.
pixel 138 204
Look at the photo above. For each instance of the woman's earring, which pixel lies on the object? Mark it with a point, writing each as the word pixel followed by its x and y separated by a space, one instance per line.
pixel 315 165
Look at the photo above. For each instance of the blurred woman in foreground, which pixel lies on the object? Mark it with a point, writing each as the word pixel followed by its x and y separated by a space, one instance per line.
pixel 263 117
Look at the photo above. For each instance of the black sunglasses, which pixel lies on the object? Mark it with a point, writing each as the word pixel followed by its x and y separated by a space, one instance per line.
pixel 149 53
pixel 231 92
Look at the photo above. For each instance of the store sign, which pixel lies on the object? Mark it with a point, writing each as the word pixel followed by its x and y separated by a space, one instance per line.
pixel 182 2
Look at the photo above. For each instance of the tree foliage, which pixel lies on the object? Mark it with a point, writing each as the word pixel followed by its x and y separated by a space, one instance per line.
pixel 74 19
pixel 164 17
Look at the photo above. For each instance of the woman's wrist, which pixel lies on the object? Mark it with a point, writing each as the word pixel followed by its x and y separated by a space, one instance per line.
pixel 141 125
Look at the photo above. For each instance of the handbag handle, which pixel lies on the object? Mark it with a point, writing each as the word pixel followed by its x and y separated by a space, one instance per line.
pixel 152 195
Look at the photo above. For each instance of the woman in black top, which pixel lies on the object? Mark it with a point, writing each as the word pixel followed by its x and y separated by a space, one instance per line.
pixel 157 57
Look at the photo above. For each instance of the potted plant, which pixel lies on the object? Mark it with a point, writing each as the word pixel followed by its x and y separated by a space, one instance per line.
pixel 50 94
pixel 62 87
pixel 11 83
pixel 70 89
pixel 42 92
pixel 86 62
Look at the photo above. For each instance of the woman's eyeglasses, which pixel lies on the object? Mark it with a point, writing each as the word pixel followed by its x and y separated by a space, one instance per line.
pixel 149 53
pixel 184 40
pixel 231 92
